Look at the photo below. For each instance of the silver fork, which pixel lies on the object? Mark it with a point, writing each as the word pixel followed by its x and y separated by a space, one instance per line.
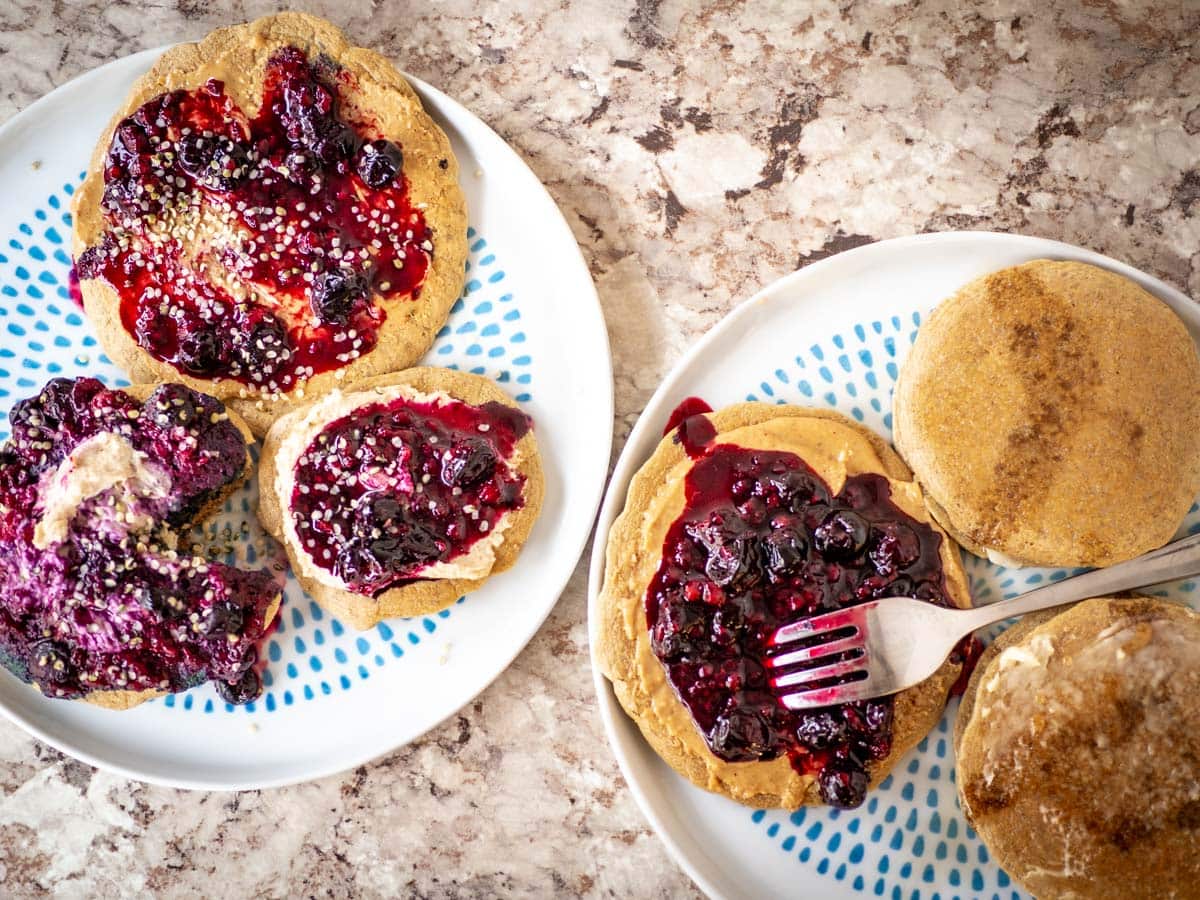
pixel 884 646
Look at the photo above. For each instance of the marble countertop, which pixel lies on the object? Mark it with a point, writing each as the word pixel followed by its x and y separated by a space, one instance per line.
pixel 698 151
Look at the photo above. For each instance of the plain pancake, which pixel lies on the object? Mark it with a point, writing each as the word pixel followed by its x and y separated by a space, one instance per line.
pixel 1051 412
pixel 1078 748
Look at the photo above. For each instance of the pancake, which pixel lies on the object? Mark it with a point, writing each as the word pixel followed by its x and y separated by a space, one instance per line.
pixel 399 497
pixel 271 213
pixel 1051 412
pixel 1078 747
pixel 100 599
pixel 698 575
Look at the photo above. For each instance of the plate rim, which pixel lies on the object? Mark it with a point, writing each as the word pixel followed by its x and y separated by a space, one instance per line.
pixel 587 305
pixel 628 461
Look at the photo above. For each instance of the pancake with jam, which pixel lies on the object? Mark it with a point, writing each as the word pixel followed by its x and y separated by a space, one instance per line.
pixel 1078 751
pixel 1051 413
pixel 741 521
pixel 100 599
pixel 399 497
pixel 271 213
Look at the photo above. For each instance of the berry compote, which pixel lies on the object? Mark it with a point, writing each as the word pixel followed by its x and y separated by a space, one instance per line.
pixel 762 541
pixel 255 249
pixel 110 603
pixel 398 486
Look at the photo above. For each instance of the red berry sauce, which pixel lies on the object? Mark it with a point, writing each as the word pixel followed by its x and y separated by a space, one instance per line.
pixel 108 608
pixel 688 407
pixel 693 430
pixel 397 486
pixel 763 542
pixel 968 652
pixel 302 221
pixel 73 287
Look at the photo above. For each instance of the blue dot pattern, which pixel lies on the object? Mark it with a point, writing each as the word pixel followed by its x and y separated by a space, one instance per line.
pixel 311 655
pixel 909 841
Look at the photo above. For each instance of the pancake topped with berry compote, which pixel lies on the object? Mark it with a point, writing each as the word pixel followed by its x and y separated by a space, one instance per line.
pixel 272 212
pixel 741 521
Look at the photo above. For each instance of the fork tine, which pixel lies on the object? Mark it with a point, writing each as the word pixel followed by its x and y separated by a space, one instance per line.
pixel 851 616
pixel 833 670
pixel 817 651
pixel 831 696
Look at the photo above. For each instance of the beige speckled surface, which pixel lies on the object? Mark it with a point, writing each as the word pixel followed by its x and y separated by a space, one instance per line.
pixel 698 153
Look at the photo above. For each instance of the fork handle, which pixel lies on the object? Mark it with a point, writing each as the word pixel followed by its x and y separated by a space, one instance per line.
pixel 1180 559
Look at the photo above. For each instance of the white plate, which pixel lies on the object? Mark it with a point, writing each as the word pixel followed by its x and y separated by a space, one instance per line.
pixel 530 318
pixel 833 335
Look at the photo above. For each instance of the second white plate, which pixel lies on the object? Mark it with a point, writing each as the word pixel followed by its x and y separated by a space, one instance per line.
pixel 833 335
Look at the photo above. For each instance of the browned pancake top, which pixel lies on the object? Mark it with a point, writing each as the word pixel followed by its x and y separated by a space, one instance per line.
pixel 1079 749
pixel 1052 411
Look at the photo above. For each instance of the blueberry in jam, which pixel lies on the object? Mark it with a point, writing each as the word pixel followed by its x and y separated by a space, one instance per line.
pixel 245 689
pixel 762 541
pixel 470 461
pixel 305 219
pixel 379 163
pixel 97 599
pixel 202 353
pixel 396 486
pixel 335 294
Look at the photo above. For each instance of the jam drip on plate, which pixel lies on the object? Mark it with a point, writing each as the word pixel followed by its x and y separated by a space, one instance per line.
pixel 395 487
pixel 687 408
pixel 762 542
pixel 109 603
pixel 295 223
pixel 693 430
